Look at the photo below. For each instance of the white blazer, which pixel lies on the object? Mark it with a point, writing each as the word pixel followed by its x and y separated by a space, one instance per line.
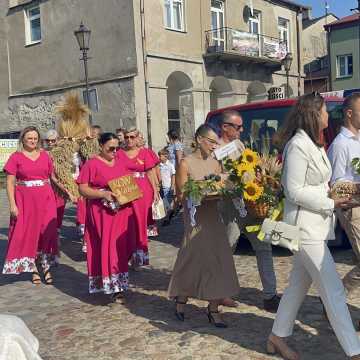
pixel 305 178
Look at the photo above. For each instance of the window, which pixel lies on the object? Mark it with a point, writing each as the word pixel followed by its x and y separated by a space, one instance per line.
pixel 254 23
pixel 174 14
pixel 93 100
pixel 174 120
pixel 344 65
pixel 284 31
pixel 32 25
pixel 217 23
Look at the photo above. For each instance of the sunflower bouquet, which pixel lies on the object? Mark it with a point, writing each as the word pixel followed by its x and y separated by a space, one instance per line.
pixel 257 180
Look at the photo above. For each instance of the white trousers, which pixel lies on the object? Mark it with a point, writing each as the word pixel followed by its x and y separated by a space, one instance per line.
pixel 314 263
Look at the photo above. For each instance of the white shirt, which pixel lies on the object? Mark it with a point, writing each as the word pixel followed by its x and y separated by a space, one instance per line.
pixel 342 151
pixel 167 171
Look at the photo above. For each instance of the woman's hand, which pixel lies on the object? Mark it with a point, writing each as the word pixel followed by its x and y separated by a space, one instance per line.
pixel 14 211
pixel 108 195
pixel 344 203
pixel 156 196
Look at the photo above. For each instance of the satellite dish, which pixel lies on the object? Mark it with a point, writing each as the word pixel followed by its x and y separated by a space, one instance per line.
pixel 247 13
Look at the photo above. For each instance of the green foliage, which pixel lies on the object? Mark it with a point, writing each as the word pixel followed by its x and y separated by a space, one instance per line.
pixel 356 165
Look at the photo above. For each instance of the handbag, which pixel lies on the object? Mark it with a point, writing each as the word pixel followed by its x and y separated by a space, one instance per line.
pixel 281 234
pixel 158 210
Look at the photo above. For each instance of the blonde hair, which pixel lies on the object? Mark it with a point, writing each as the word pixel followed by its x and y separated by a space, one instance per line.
pixel 22 136
pixel 74 117
pixel 132 129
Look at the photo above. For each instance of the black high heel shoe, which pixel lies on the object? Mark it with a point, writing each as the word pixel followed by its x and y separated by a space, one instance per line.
pixel 212 320
pixel 179 315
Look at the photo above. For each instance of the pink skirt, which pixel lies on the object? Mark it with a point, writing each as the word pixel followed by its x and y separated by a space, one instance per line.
pixel 107 240
pixel 33 234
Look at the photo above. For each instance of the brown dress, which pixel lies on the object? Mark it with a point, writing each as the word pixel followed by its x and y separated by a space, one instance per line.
pixel 204 268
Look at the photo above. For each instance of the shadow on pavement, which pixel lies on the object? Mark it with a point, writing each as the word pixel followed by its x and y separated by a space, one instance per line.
pixel 150 279
pixel 248 330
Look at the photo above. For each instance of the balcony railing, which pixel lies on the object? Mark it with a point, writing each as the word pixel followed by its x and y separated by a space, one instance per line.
pixel 236 42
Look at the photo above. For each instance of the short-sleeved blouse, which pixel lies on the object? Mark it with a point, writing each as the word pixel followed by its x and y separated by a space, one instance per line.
pixel 145 160
pixel 26 169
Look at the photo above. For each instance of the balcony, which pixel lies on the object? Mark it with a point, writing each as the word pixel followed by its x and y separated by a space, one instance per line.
pixel 230 45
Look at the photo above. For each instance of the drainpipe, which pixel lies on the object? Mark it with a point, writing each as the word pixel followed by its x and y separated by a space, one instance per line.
pixel 330 84
pixel 298 48
pixel 146 77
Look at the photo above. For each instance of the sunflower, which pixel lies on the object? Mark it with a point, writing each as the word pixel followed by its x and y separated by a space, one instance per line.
pixel 243 168
pixel 252 191
pixel 250 157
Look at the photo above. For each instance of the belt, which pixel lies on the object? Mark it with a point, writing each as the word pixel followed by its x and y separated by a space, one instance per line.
pixel 32 183
pixel 139 174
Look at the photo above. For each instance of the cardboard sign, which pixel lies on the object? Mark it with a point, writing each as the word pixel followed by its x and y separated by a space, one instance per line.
pixel 125 189
pixel 226 150
pixel 7 147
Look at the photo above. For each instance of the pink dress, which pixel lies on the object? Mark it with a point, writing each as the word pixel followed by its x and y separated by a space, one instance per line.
pixel 33 234
pixel 138 166
pixel 106 232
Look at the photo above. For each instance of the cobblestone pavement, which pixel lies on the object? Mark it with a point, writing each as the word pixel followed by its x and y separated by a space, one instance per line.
pixel 70 324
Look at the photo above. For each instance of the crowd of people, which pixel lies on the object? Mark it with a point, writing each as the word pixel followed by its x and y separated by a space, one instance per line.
pixel 77 162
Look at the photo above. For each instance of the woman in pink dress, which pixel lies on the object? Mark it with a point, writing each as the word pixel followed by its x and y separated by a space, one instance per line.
pixel 140 163
pixel 107 229
pixel 33 223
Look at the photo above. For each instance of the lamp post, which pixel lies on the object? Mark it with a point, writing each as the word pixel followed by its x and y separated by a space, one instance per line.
pixel 82 35
pixel 287 65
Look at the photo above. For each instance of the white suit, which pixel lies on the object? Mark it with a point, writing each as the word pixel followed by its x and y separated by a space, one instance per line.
pixel 306 174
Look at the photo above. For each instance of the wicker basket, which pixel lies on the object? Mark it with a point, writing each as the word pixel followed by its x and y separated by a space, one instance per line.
pixel 257 210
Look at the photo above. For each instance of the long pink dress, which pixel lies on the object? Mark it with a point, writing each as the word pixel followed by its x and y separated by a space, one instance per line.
pixel 106 232
pixel 138 166
pixel 33 234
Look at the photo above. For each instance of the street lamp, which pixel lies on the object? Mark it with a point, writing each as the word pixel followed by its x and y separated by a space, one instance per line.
pixel 83 38
pixel 287 65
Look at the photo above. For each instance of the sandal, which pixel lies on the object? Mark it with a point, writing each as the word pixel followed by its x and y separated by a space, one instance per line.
pixel 36 279
pixel 117 298
pixel 48 277
pixel 179 314
pixel 212 320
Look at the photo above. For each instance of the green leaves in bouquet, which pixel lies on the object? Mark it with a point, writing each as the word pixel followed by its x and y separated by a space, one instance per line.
pixel 193 190
pixel 356 165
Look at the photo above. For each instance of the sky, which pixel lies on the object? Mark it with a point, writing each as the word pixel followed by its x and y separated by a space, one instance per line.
pixel 340 8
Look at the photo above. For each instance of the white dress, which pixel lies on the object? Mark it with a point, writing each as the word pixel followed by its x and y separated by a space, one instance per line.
pixel 16 340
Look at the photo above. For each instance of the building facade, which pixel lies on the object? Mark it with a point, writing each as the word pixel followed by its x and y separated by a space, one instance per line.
pixel 315 53
pixel 344 52
pixel 159 64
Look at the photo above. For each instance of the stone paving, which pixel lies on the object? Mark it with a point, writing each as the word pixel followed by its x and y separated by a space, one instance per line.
pixel 72 325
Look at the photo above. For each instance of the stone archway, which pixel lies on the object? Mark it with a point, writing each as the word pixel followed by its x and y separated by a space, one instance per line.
pixel 256 91
pixel 291 91
pixel 221 93
pixel 180 105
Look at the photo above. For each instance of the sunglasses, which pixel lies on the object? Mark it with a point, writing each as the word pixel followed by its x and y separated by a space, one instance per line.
pixel 50 140
pixel 211 141
pixel 112 148
pixel 236 127
pixel 132 137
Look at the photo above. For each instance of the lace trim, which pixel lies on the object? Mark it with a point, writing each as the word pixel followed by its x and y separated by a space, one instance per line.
pixel 109 285
pixel 28 264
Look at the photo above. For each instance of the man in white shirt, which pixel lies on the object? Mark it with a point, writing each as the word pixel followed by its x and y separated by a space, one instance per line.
pixel 231 128
pixel 344 148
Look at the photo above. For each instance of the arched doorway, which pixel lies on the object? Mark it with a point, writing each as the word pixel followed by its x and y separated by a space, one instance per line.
pixel 180 104
pixel 221 93
pixel 256 91
pixel 291 91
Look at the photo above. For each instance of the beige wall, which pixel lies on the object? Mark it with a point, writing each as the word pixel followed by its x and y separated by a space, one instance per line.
pixel 314 41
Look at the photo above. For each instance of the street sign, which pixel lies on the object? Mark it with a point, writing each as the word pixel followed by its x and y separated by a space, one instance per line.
pixel 276 93
pixel 7 147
